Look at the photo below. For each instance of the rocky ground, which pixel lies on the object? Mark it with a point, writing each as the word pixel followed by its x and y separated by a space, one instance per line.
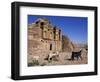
pixel 63 59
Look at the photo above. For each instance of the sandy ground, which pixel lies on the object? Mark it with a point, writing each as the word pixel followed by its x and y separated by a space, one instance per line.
pixel 63 59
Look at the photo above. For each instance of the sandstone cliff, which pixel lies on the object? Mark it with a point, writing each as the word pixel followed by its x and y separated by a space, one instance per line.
pixel 67 45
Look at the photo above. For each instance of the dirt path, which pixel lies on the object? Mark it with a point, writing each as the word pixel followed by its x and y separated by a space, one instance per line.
pixel 64 59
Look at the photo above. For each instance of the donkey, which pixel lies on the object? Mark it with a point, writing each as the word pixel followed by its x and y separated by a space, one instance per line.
pixel 76 55
pixel 53 55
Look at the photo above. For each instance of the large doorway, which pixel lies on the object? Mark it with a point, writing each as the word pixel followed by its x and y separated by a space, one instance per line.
pixel 50 46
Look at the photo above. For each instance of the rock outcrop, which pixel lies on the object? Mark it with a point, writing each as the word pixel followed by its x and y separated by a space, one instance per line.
pixel 67 45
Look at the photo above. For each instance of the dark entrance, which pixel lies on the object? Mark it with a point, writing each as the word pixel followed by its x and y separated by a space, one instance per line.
pixel 50 46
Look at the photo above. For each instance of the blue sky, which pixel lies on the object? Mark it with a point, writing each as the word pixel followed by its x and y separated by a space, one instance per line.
pixel 74 27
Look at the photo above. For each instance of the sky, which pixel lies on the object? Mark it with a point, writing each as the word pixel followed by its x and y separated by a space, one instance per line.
pixel 75 28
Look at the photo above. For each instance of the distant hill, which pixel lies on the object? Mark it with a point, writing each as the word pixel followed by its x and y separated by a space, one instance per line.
pixel 80 45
